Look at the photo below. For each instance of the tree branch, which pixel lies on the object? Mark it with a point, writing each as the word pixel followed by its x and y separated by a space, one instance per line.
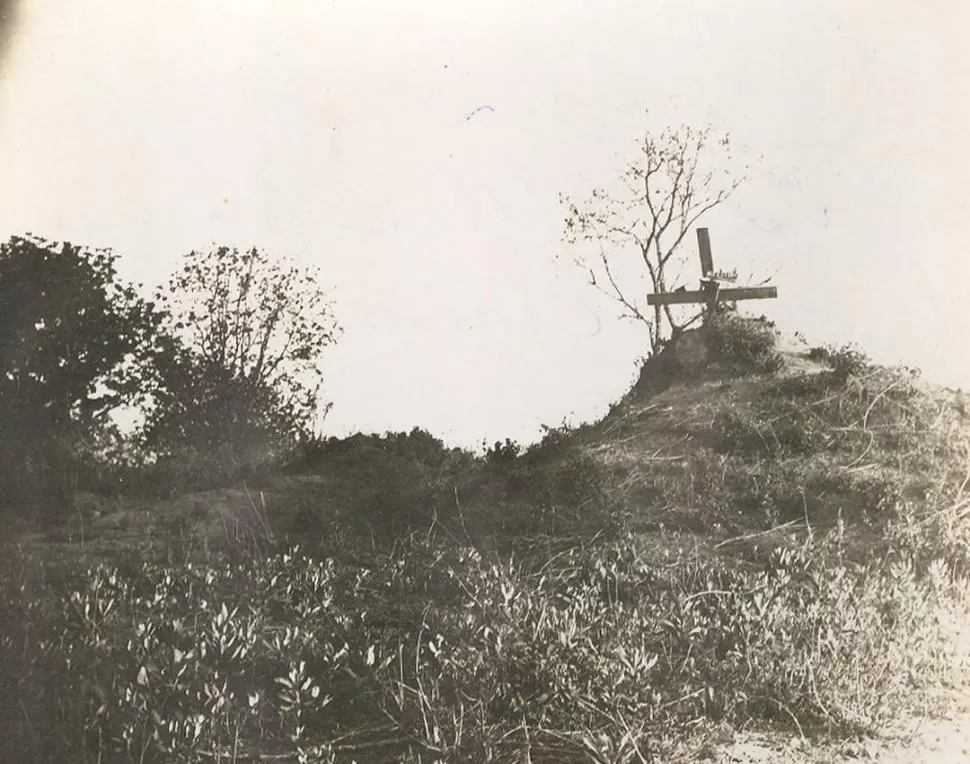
pixel 617 293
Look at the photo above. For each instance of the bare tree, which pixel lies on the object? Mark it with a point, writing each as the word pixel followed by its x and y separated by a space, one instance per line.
pixel 670 184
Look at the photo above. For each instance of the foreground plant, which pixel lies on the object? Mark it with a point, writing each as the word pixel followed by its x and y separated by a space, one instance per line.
pixel 433 653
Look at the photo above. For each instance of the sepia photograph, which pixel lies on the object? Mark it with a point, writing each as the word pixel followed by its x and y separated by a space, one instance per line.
pixel 484 382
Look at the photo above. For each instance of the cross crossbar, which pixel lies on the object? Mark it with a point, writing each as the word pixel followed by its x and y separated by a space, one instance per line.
pixel 711 293
pixel 723 295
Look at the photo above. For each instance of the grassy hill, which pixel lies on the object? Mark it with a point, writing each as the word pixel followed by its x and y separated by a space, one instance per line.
pixel 758 536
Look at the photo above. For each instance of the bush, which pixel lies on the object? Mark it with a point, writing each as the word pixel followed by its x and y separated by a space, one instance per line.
pixel 501 454
pixel 418 446
pixel 379 488
pixel 742 345
pixel 554 488
pixel 845 362
pixel 790 432
pixel 188 470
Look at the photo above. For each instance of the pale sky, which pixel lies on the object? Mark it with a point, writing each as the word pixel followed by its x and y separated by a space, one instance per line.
pixel 335 132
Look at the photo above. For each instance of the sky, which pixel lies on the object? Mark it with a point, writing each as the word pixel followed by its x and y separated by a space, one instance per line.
pixel 349 135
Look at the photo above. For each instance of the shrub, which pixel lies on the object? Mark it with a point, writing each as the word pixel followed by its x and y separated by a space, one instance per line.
pixel 742 345
pixel 788 431
pixel 554 488
pixel 845 362
pixel 377 488
pixel 501 454
pixel 418 446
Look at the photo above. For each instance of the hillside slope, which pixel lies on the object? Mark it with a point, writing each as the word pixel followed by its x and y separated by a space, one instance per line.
pixel 728 432
pixel 759 554
pixel 725 435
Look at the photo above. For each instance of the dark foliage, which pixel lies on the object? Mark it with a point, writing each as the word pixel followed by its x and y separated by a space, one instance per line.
pixel 70 333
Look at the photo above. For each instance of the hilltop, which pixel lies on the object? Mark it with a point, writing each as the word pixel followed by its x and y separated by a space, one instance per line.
pixel 729 430
pixel 759 537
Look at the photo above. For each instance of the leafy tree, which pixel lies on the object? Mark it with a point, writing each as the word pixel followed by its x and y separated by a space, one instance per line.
pixel 238 377
pixel 667 188
pixel 69 331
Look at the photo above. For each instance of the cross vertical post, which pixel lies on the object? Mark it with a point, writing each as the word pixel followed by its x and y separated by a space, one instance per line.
pixel 704 248
pixel 710 285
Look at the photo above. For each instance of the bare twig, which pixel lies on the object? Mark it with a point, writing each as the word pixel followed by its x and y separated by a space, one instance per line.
pixel 749 536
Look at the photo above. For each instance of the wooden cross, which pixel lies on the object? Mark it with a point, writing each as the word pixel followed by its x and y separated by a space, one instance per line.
pixel 711 293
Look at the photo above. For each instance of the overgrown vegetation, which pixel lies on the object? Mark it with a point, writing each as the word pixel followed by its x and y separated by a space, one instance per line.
pixel 222 366
pixel 430 652
pixel 747 539
pixel 738 543
pixel 846 361
pixel 67 330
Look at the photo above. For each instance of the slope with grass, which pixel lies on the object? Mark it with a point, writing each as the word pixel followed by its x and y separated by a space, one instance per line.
pixel 759 552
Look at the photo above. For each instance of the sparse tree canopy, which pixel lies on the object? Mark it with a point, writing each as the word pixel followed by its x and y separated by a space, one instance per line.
pixel 671 183
pixel 240 368
pixel 67 326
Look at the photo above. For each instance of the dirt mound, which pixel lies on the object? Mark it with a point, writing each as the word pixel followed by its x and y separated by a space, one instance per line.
pixel 730 345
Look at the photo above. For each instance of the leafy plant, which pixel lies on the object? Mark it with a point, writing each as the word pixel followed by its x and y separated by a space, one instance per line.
pixel 432 650
pixel 742 345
